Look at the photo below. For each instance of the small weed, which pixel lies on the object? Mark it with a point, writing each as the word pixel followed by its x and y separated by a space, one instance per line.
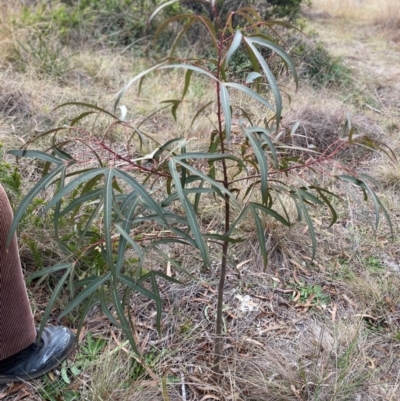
pixel 374 264
pixel 89 352
pixel 306 293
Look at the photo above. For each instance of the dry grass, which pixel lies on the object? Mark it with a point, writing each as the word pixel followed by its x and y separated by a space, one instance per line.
pixel 384 14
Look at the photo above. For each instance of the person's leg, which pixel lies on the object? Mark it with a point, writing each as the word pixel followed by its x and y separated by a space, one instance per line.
pixel 17 328
pixel 20 357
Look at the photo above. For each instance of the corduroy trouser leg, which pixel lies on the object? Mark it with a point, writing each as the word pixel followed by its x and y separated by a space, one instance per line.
pixel 17 328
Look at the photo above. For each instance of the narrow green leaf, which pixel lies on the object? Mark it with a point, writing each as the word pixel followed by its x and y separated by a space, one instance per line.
pixel 200 111
pixel 272 213
pixel 158 9
pixel 57 208
pixel 135 286
pixel 92 106
pixel 208 179
pixel 233 47
pixel 158 302
pixel 105 308
pixel 80 117
pixel 146 197
pixel 306 195
pixel 52 300
pixel 263 163
pixel 36 154
pixel 265 135
pixel 190 214
pixel 180 35
pixel 270 77
pixel 126 237
pixel 280 51
pixel 328 204
pixel 107 217
pixel 73 184
pixel 133 80
pixel 124 323
pixel 260 234
pixel 188 76
pixel 88 196
pixel 226 107
pixel 91 301
pixel 308 221
pixel 211 156
pixel 250 93
pixel 93 286
pixel 27 200
pixel 191 67
pixel 251 76
pixel 49 270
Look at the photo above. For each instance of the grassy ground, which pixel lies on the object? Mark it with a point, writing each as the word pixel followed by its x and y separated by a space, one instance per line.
pixel 301 330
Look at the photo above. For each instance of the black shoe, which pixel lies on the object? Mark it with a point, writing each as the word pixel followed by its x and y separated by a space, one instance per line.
pixel 35 361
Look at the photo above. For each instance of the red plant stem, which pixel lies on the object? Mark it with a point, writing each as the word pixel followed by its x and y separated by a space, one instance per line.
pixel 296 167
pixel 131 163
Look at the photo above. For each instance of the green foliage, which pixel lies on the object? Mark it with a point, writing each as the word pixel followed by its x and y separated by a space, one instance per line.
pixel 10 178
pixel 268 9
pixel 112 201
pixel 317 65
pixel 310 293
pixel 114 22
pixel 54 390
pixel 40 53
